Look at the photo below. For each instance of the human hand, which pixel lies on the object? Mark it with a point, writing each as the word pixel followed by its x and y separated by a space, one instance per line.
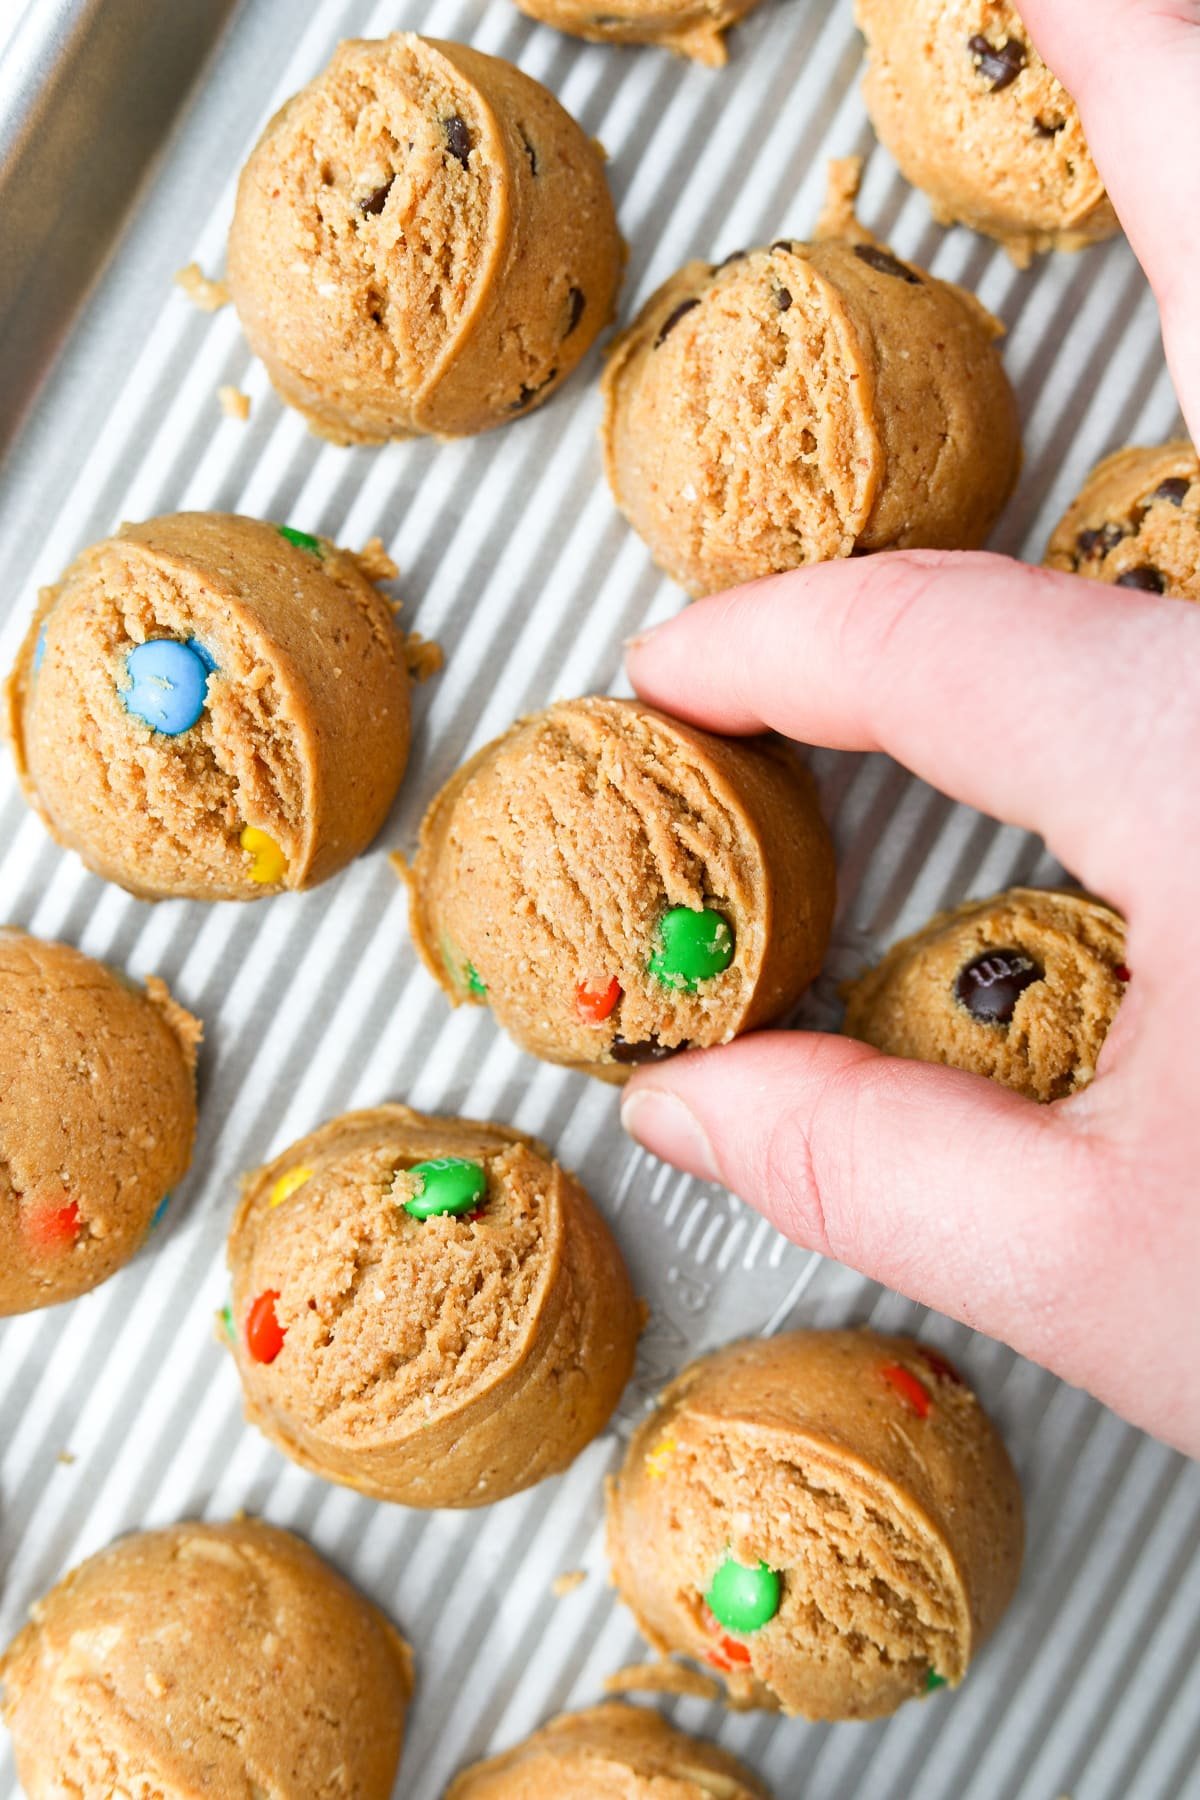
pixel 1071 1231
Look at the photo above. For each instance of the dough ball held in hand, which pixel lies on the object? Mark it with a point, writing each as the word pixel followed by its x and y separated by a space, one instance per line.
pixel 1023 987
pixel 618 886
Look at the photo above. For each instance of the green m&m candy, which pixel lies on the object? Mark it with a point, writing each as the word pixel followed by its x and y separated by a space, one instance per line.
pixel 692 947
pixel 742 1598
pixel 475 983
pixel 933 1681
pixel 448 1184
pixel 303 540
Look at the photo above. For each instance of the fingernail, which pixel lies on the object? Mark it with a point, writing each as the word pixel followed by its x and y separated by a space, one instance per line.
pixel 662 1123
pixel 639 638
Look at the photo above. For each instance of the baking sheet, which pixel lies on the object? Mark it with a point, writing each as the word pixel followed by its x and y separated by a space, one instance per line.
pixel 120 1411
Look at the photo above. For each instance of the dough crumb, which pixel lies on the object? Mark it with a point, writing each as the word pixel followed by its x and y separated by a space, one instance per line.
pixel 838 216
pixel 66 1457
pixel 662 1678
pixel 375 562
pixel 423 656
pixel 210 296
pixel 234 404
pixel 567 1582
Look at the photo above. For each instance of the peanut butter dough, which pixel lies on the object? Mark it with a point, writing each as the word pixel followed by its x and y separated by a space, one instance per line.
pixel 225 1660
pixel 959 95
pixel 423 242
pixel 213 707
pixel 446 1360
pixel 841 1500
pixel 97 1117
pixel 1022 987
pixel 617 885
pixel 801 402
pixel 694 28
pixel 1136 523
pixel 609 1753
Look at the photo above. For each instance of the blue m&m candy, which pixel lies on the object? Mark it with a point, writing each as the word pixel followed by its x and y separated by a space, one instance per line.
pixel 167 683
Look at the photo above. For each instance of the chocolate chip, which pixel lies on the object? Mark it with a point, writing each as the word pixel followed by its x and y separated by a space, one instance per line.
pixel 1146 579
pixel 672 319
pixel 783 298
pixel 734 256
pixel 783 244
pixel 530 393
pixel 1097 542
pixel 1174 490
pixel 650 1050
pixel 990 986
pixel 575 305
pixel 999 67
pixel 530 152
pixel 1048 128
pixel 885 262
pixel 458 137
pixel 374 202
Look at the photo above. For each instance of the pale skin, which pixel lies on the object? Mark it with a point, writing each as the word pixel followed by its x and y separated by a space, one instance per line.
pixel 1070 1231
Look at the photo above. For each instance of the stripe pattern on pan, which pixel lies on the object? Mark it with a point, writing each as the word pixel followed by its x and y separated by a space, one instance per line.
pixel 513 556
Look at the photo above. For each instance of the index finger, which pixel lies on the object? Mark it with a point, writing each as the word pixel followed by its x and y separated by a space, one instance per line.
pixel 1033 696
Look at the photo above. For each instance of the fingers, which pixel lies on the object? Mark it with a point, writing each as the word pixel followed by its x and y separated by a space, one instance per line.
pixel 942 1185
pixel 1033 696
pixel 1134 70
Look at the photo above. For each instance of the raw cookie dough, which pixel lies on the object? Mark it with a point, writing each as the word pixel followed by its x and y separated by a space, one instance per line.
pixel 802 402
pixel 227 1660
pixel 424 241
pixel 694 28
pixel 213 707
pixel 97 1117
pixel 1022 987
pixel 609 1753
pixel 828 1519
pixel 440 1360
pixel 1136 523
pixel 617 885
pixel 957 92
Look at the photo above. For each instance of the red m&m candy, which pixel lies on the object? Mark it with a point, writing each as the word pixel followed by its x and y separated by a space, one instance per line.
pixel 906 1385
pixel 595 999
pixel 50 1226
pixel 264 1333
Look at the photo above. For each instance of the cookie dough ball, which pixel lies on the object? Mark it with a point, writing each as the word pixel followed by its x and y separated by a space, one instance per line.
pixel 428 1310
pixel 1022 987
pixel 423 242
pixel 803 402
pixel 694 28
pixel 617 885
pixel 1136 523
pixel 207 1659
pixel 212 707
pixel 609 1753
pixel 97 1117
pixel 828 1519
pixel 959 95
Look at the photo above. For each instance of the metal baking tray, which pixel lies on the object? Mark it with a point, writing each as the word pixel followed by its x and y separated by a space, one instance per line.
pixel 122 127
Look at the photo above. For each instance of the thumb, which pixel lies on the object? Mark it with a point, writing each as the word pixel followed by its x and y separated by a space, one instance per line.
pixel 940 1184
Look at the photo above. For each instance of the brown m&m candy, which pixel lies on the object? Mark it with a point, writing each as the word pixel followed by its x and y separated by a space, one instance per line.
pixel 1022 987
